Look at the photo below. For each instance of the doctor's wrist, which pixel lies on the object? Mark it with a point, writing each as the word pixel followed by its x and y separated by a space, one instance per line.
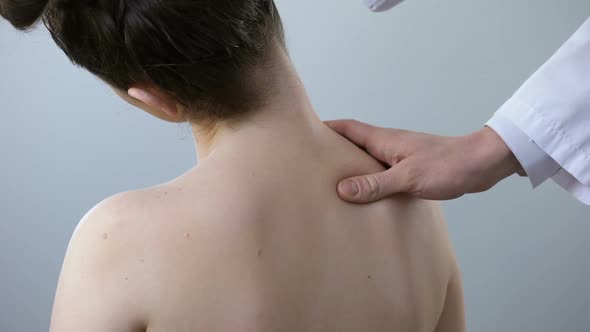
pixel 492 158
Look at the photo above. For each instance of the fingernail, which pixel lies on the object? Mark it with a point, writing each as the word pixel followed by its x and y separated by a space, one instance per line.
pixel 348 188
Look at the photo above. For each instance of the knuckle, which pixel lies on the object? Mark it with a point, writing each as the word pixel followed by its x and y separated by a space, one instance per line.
pixel 398 157
pixel 370 187
pixel 393 157
pixel 390 145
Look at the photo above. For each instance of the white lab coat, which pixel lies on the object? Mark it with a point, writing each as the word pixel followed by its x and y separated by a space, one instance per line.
pixel 546 123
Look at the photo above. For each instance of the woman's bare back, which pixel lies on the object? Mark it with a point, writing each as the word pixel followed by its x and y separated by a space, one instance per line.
pixel 245 242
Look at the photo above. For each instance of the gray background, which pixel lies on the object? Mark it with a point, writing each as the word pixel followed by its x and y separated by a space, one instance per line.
pixel 67 142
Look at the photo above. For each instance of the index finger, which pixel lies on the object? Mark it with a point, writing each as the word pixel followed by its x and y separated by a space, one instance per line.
pixel 359 133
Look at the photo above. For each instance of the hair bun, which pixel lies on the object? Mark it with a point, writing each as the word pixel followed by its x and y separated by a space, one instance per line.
pixel 23 14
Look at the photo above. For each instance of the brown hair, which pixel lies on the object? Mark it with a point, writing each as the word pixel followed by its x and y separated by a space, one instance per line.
pixel 202 52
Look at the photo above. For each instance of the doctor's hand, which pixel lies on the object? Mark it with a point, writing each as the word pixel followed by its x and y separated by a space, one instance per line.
pixel 425 166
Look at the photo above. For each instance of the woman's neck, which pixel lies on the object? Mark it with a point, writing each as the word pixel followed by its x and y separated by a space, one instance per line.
pixel 287 114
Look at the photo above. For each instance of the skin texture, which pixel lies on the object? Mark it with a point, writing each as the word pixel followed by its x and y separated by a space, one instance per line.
pixel 255 238
pixel 425 166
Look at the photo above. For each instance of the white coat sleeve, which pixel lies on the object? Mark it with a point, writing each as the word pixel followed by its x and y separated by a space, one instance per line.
pixel 546 122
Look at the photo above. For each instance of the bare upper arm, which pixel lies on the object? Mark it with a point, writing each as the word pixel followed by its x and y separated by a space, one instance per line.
pixel 94 293
pixel 452 315
pixel 452 318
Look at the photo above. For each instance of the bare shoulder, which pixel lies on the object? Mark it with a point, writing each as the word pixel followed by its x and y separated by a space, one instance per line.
pixel 423 231
pixel 112 231
pixel 434 241
pixel 96 270
pixel 122 225
pixel 113 254
pixel 113 215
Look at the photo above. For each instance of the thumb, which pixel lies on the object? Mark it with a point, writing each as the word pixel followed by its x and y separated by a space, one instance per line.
pixel 374 187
